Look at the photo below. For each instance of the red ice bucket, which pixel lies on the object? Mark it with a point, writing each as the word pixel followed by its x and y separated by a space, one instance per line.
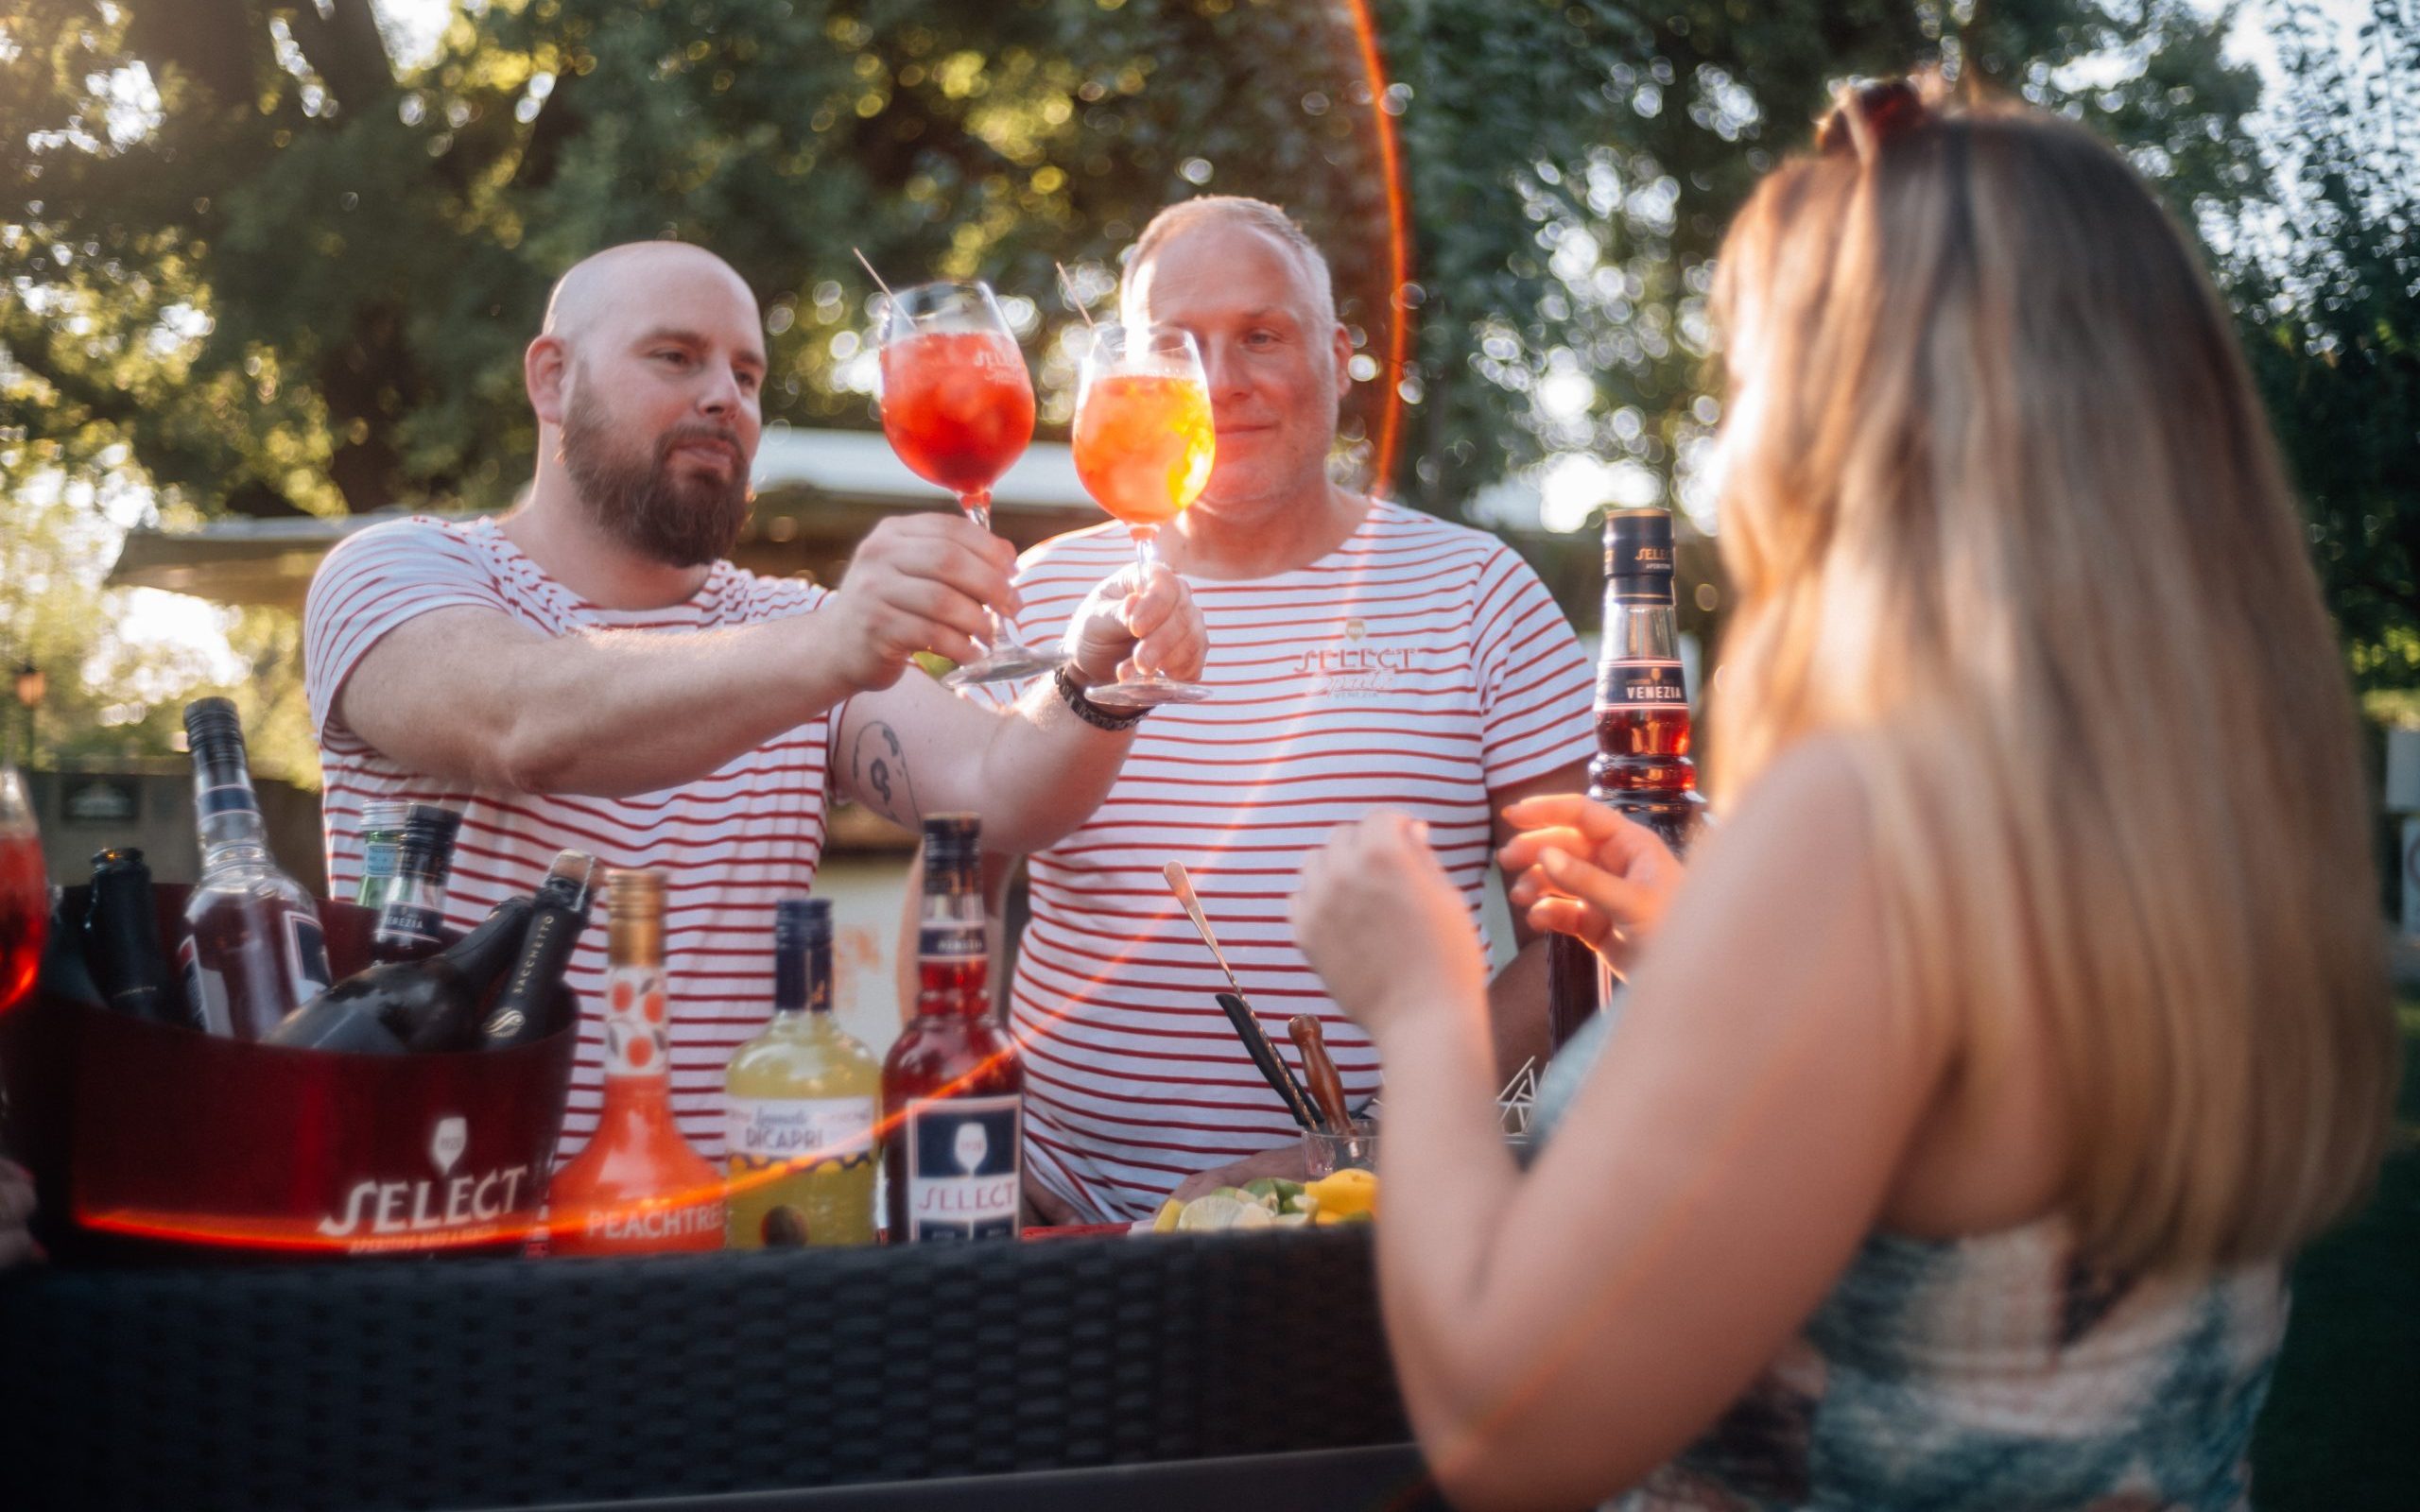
pixel 147 1132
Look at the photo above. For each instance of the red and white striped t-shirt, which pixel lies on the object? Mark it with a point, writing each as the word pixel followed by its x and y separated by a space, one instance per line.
pixel 731 843
pixel 1416 667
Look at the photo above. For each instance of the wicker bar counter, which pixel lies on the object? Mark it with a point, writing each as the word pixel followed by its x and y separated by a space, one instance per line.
pixel 1168 1372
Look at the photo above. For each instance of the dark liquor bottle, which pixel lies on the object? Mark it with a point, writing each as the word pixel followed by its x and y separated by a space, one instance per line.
pixel 122 942
pixel 428 1004
pixel 413 918
pixel 251 949
pixel 522 1010
pixel 953 1089
pixel 1642 768
pixel 382 838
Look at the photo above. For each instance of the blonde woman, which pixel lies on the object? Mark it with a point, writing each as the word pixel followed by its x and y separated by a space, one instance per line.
pixel 2027 1011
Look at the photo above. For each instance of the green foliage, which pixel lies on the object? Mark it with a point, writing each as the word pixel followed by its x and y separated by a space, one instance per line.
pixel 2329 292
pixel 303 278
pixel 110 694
pixel 284 272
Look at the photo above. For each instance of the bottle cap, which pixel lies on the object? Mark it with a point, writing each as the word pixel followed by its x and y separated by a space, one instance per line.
pixel 428 847
pixel 571 881
pixel 633 894
pixel 1638 555
pixel 116 858
pixel 802 923
pixel 385 816
pixel 210 720
pixel 952 839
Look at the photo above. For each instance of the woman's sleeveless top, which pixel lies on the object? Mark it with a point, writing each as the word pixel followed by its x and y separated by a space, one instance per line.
pixel 2000 1372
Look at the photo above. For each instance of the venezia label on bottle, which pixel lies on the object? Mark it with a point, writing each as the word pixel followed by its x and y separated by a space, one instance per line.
pixel 407 923
pixel 964 1159
pixel 806 1133
pixel 1642 684
pixel 954 941
pixel 638 1014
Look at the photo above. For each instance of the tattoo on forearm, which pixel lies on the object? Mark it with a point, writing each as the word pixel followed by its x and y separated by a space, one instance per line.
pixel 878 771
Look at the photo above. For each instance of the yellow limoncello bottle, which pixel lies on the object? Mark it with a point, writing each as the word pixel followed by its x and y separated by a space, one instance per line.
pixel 800 1105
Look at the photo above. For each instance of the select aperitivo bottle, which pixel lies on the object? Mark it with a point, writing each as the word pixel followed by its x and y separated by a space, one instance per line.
pixel 1642 768
pixel 953 1090
pixel 800 1104
pixel 637 1187
pixel 252 951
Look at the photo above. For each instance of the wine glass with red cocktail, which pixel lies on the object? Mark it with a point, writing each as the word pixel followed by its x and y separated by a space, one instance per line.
pixel 958 406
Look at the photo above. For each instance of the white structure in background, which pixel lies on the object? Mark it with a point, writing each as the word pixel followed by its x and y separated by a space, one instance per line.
pixel 2403 797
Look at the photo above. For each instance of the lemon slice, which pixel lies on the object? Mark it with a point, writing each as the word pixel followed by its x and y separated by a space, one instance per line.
pixel 1218 1212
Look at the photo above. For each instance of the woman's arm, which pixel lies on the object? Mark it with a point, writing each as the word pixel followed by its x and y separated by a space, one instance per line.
pixel 1559 1335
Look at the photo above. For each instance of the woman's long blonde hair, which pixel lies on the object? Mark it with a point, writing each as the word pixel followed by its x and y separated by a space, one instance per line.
pixel 2002 509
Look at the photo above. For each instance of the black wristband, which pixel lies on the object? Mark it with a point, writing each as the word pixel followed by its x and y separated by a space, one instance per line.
pixel 1089 711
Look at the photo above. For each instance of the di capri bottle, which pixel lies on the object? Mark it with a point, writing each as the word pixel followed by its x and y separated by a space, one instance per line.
pixel 251 949
pixel 800 1103
pixel 1642 768
pixel 953 1089
pixel 637 1187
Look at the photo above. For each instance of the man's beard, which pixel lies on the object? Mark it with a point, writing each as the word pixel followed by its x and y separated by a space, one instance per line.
pixel 676 521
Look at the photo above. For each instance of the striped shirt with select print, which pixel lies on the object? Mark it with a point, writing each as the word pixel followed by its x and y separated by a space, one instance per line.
pixel 1416 667
pixel 730 844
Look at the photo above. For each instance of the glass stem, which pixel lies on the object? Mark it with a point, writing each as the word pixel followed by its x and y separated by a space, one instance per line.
pixel 977 508
pixel 1147 556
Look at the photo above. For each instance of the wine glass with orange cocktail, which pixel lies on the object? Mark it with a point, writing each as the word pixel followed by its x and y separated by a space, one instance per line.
pixel 1143 449
pixel 958 406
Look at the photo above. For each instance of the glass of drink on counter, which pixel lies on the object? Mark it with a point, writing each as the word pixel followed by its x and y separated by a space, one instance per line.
pixel 24 891
pixel 957 407
pixel 1325 1152
pixel 1144 445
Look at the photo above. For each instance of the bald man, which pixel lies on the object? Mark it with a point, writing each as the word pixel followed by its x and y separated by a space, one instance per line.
pixel 590 671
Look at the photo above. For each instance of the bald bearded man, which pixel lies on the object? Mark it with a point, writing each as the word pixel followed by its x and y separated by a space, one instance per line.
pixel 588 672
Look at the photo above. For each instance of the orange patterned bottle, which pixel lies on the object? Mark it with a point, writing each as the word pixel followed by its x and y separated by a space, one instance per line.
pixel 638 1188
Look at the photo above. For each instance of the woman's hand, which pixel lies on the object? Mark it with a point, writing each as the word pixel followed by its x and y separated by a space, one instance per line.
pixel 1388 933
pixel 1579 868
pixel 16 1209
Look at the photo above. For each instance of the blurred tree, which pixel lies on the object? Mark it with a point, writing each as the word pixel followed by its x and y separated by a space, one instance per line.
pixel 2326 281
pixel 110 694
pixel 289 273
